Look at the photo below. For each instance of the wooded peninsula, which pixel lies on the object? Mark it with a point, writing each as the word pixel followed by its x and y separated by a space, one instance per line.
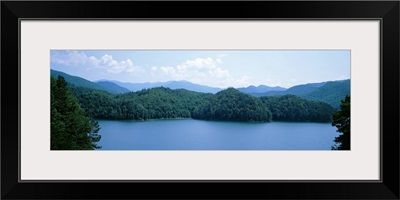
pixel 226 105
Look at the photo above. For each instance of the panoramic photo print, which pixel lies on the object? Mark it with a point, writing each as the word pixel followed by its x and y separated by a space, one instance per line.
pixel 200 99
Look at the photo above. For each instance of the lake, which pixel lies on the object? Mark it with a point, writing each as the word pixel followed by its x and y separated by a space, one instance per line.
pixel 190 134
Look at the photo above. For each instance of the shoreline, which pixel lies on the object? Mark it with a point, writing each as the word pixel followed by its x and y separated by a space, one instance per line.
pixel 182 118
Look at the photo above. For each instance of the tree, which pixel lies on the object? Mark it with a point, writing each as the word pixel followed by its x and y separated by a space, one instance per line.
pixel 295 108
pixel 71 127
pixel 341 119
pixel 233 105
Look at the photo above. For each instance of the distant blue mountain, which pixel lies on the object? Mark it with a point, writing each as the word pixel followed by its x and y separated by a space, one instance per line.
pixel 112 87
pixel 170 84
pixel 259 89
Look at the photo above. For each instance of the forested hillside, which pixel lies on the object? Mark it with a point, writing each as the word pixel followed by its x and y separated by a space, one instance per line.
pixel 112 87
pixel 331 93
pixel 229 104
pixel 295 90
pixel 156 103
pixel 76 80
pixel 232 105
pixel 294 108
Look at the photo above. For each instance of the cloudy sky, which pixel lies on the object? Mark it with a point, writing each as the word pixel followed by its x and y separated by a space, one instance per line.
pixel 232 68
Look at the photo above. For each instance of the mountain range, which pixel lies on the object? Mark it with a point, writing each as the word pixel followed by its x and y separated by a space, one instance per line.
pixel 259 89
pixel 81 82
pixel 295 90
pixel 330 92
pixel 169 84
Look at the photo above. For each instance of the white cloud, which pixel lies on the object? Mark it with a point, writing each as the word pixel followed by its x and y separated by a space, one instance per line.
pixel 94 61
pixel 70 58
pixel 114 66
pixel 173 72
pixel 106 62
pixel 243 81
pixel 221 73
pixel 205 71
pixel 199 63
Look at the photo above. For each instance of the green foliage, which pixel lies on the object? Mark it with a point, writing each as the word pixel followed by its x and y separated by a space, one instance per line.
pixel 331 93
pixel 232 105
pixel 71 127
pixel 295 90
pixel 294 108
pixel 156 103
pixel 229 104
pixel 341 119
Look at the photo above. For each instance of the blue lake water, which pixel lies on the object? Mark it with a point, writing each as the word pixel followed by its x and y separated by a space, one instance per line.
pixel 190 134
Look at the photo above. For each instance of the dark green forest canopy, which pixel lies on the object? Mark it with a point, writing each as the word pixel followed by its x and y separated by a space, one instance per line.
pixel 294 108
pixel 155 103
pixel 229 104
pixel 71 127
pixel 232 105
pixel 341 119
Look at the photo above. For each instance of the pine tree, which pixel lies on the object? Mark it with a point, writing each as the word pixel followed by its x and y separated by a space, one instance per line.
pixel 71 127
pixel 341 119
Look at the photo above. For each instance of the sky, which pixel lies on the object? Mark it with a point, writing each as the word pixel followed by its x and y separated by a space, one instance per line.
pixel 227 68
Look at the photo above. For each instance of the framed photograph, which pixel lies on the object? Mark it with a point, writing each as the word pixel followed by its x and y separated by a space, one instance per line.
pixel 112 100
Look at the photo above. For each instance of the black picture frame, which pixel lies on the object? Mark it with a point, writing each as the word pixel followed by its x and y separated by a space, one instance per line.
pixel 386 11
